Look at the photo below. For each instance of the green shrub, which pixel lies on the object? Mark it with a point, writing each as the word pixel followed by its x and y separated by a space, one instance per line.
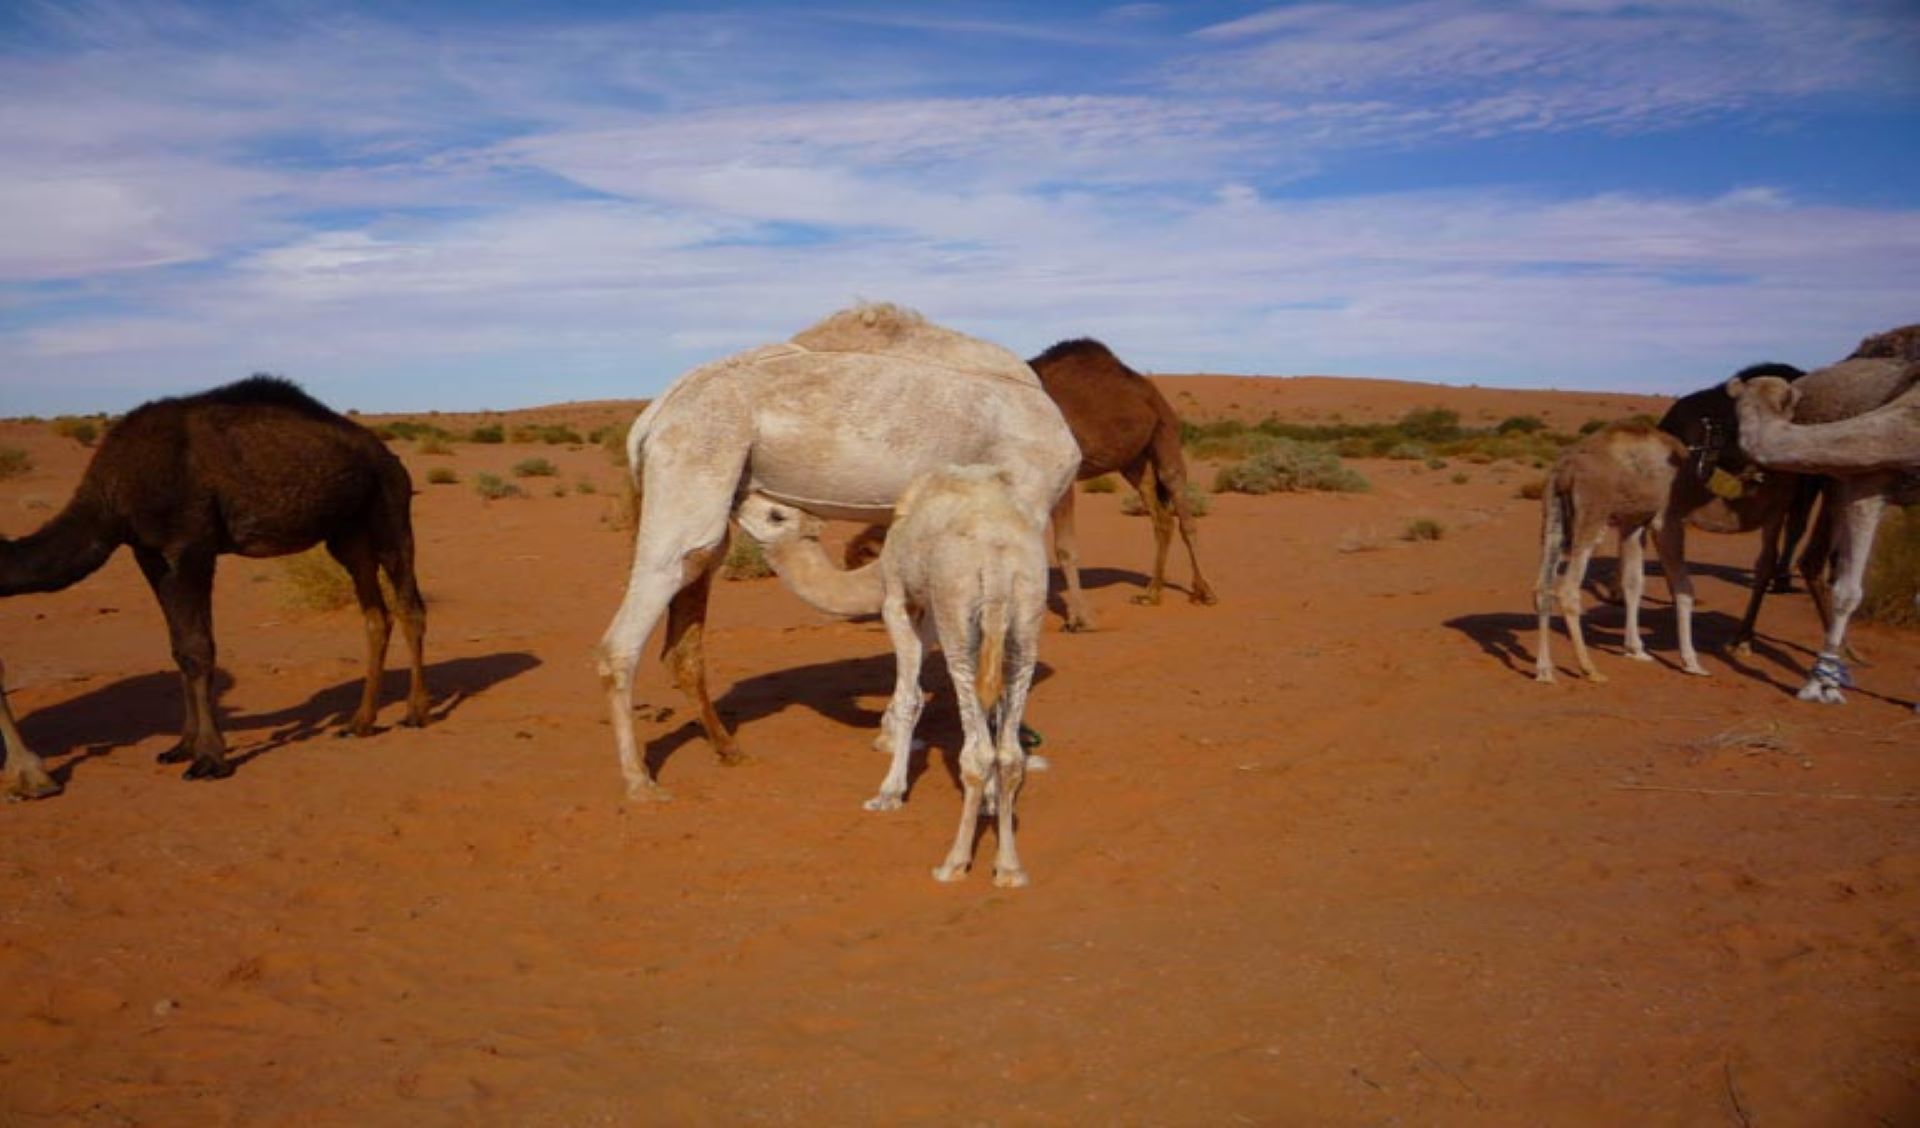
pixel 1287 465
pixel 1407 452
pixel 1520 425
pixel 491 433
pixel 585 486
pixel 433 444
pixel 14 462
pixel 1893 575
pixel 1104 484
pixel 534 468
pixel 1430 424
pixel 1423 529
pixel 492 487
pixel 1436 464
pixel 442 476
pixel 553 434
pixel 1592 425
pixel 614 441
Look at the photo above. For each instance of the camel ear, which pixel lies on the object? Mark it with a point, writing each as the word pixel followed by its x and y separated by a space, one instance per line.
pixel 1736 387
pixel 1792 399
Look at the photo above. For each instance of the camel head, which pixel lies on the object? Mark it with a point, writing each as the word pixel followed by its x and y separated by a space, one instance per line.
pixel 772 523
pixel 1774 396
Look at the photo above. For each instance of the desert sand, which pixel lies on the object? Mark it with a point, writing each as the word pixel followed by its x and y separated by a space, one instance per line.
pixel 1322 854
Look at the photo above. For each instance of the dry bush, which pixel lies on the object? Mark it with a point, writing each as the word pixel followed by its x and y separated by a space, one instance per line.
pixel 745 560
pixel 442 476
pixel 492 487
pixel 434 444
pixel 1198 503
pixel 1533 489
pixel 1893 576
pixel 1423 529
pixel 534 468
pixel 82 431
pixel 14 462
pixel 1287 465
pixel 1104 484
pixel 314 581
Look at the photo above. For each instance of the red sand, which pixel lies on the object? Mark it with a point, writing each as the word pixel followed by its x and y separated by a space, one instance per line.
pixel 1322 854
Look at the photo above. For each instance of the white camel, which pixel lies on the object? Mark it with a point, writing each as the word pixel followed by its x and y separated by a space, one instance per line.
pixel 835 423
pixel 24 776
pixel 1881 374
pixel 965 566
pixel 1620 477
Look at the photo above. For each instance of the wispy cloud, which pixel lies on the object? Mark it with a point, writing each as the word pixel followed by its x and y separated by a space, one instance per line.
pixel 423 215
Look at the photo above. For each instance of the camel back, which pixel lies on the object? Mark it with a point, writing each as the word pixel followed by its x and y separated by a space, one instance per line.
pixel 1852 387
pixel 885 329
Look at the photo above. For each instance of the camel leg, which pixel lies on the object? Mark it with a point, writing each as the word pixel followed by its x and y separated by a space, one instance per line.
pixel 1859 504
pixel 1170 470
pixel 184 588
pixel 396 560
pixel 1010 756
pixel 25 777
pixel 1551 531
pixel 356 556
pixel 1670 540
pixel 1766 569
pixel 977 755
pixel 903 712
pixel 684 651
pixel 1633 585
pixel 1066 549
pixel 1141 478
pixel 1568 596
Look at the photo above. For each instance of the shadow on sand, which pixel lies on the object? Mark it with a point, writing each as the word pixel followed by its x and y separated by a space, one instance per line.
pixel 148 705
pixel 834 690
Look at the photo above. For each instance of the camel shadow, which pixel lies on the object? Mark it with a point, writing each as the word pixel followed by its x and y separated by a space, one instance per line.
pixel 834 690
pixel 1500 636
pixel 134 709
pixel 1093 579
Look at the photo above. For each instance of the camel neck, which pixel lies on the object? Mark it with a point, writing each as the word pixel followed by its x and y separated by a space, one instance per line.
pixel 61 553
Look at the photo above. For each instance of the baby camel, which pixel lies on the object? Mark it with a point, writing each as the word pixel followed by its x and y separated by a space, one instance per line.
pixel 1621 476
pixel 961 549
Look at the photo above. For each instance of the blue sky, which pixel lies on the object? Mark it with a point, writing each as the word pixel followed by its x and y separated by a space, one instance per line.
pixel 464 205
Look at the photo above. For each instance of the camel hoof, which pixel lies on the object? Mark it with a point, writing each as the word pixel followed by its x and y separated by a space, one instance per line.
pixel 949 873
pixel 1639 656
pixel 1147 599
pixel 1544 677
pixel 647 791
pixel 1204 598
pixel 1697 670
pixel 31 785
pixel 732 757
pixel 884 802
pixel 208 769
pixel 1743 648
pixel 1076 626
pixel 1821 694
pixel 1038 763
pixel 1010 878
pixel 178 754
pixel 1596 677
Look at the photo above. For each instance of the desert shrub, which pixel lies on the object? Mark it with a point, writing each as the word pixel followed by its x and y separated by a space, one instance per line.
pixel 1459 478
pixel 314 581
pixel 1423 529
pixel 491 433
pixel 1893 575
pixel 442 476
pixel 1520 425
pixel 614 441
pixel 1286 465
pixel 534 468
pixel 1407 452
pixel 412 429
pixel 434 444
pixel 1533 489
pixel 1436 464
pixel 585 486
pixel 1198 503
pixel 553 434
pixel 1592 425
pixel 82 431
pixel 1430 424
pixel 492 487
pixel 14 462
pixel 1104 484
pixel 745 561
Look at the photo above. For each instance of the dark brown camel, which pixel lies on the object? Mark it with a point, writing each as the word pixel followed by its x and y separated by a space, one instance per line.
pixel 1123 425
pixel 255 468
pixel 1774 503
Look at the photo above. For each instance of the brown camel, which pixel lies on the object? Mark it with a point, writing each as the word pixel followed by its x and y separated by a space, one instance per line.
pixel 1123 425
pixel 1620 477
pixel 255 468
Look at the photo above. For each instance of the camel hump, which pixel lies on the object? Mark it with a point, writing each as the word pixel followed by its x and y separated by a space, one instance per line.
pixel 885 329
pixel 1079 347
pixel 1894 344
pixel 258 390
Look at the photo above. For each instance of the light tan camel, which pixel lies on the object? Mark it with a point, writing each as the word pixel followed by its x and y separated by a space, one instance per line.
pixel 1866 454
pixel 1886 438
pixel 964 566
pixel 834 423
pixel 24 777
pixel 1881 373
pixel 1622 477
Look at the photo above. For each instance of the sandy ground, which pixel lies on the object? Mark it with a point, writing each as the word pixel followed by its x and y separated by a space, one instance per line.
pixel 1322 854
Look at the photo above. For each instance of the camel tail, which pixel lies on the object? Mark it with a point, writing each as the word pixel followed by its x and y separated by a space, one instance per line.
pixel 61 553
pixel 1555 520
pixel 990 673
